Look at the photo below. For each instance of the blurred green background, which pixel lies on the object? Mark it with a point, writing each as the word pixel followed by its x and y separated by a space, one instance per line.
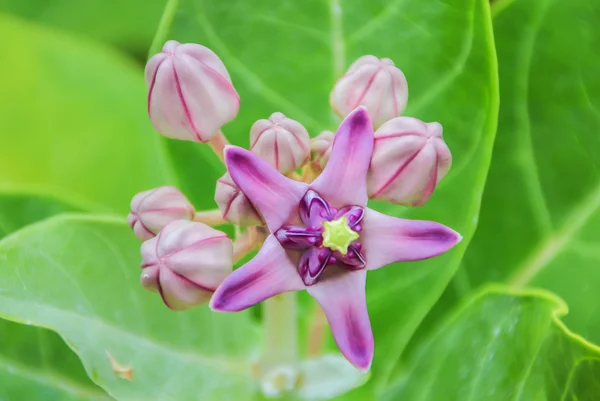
pixel 73 95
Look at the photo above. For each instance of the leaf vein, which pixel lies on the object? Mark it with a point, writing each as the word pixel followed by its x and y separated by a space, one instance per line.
pixel 254 82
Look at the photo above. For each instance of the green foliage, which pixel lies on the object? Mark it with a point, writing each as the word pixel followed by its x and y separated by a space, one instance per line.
pixel 76 138
pixel 35 363
pixel 503 346
pixel 541 208
pixel 539 214
pixel 20 207
pixel 77 275
pixel 130 24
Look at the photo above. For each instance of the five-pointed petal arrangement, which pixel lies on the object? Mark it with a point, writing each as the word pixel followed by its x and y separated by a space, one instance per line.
pixel 324 238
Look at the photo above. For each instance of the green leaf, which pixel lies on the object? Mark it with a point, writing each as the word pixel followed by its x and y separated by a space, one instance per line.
pixel 35 363
pixel 77 275
pixel 22 206
pixel 541 208
pixel 73 118
pixel 286 56
pixel 503 346
pixel 130 24
pixel 198 169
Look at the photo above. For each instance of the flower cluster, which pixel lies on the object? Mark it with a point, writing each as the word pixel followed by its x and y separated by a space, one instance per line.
pixel 302 201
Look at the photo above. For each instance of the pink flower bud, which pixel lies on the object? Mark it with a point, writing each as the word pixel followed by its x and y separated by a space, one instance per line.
pixel 409 159
pixel 374 83
pixel 281 141
pixel 234 205
pixel 185 263
pixel 190 95
pixel 320 150
pixel 152 210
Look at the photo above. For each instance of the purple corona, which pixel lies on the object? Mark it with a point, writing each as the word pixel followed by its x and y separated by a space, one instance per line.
pixel 329 236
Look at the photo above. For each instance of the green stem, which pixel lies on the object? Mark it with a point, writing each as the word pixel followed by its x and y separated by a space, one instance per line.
pixel 163 27
pixel 218 144
pixel 244 244
pixel 316 331
pixel 281 331
pixel 210 217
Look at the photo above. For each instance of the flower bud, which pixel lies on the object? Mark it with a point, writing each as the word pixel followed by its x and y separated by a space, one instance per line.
pixel 234 205
pixel 185 263
pixel 374 83
pixel 190 95
pixel 281 141
pixel 320 150
pixel 152 210
pixel 409 158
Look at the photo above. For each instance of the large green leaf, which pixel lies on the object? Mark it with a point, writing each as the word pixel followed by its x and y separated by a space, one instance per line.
pixel 36 364
pixel 130 24
pixel 540 215
pixel 285 56
pixel 72 118
pixel 77 275
pixel 500 347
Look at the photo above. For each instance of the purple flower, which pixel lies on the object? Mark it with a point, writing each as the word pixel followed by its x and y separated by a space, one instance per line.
pixel 324 239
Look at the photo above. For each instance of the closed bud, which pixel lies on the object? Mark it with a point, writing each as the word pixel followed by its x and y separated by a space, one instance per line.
pixel 410 157
pixel 374 83
pixel 320 150
pixel 185 263
pixel 234 205
pixel 281 141
pixel 190 95
pixel 152 210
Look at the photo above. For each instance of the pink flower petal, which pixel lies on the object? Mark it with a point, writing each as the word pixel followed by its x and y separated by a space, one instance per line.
pixel 344 180
pixel 341 294
pixel 149 278
pixel 410 157
pixel 274 195
pixel 386 239
pixel 206 97
pixel 190 93
pixel 178 292
pixel 202 54
pixel 269 273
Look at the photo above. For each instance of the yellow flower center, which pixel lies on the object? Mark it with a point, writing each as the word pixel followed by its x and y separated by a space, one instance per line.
pixel 337 235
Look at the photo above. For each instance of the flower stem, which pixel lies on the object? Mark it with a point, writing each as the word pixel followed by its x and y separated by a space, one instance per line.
pixel 316 332
pixel 308 173
pixel 210 217
pixel 295 176
pixel 244 244
pixel 218 144
pixel 281 331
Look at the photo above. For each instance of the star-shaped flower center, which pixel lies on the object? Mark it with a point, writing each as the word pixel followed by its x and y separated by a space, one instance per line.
pixel 337 235
pixel 329 236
